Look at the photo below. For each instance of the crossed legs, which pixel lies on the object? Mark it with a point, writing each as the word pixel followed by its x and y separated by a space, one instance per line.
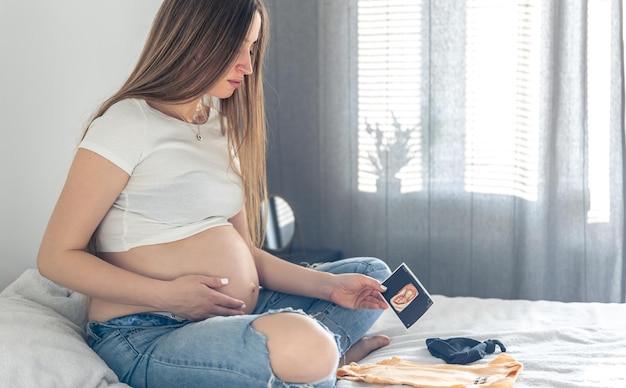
pixel 301 351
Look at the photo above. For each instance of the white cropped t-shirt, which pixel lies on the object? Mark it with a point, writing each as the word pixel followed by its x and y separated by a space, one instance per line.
pixel 178 186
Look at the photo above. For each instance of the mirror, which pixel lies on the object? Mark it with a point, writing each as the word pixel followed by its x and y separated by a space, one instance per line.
pixel 280 224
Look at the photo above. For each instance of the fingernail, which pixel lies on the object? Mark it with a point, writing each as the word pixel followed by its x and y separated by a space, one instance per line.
pixel 383 288
pixel 243 306
pixel 224 280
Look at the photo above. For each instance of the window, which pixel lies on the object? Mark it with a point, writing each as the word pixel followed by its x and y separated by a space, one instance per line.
pixel 598 109
pixel 389 96
pixel 502 97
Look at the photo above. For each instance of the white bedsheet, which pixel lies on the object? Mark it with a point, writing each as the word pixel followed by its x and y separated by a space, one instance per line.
pixel 559 344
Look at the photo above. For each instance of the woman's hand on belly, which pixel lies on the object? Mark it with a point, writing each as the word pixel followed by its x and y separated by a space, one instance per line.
pixel 191 272
pixel 196 297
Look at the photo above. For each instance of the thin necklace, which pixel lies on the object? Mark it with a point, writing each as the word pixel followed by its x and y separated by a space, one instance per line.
pixel 200 116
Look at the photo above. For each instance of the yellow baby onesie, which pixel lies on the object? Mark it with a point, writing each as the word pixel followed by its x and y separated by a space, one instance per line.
pixel 499 373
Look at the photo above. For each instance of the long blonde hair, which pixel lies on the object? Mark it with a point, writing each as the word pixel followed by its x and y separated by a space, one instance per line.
pixel 191 45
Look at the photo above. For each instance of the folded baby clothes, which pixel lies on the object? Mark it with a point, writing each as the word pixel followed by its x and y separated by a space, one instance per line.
pixel 460 350
pixel 501 372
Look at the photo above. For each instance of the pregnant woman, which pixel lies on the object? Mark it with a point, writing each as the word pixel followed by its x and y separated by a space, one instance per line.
pixel 159 224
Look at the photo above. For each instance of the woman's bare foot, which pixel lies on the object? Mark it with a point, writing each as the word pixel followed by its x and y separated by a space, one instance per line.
pixel 363 347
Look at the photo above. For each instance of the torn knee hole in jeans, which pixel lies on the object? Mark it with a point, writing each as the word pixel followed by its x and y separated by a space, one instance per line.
pixel 274 380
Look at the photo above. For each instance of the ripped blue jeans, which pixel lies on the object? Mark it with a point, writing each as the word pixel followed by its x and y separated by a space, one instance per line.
pixel 152 350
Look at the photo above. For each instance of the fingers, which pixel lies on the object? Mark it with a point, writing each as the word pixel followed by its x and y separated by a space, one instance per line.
pixel 375 284
pixel 381 303
pixel 373 295
pixel 197 297
pixel 223 300
pixel 374 301
pixel 372 304
pixel 214 282
pixel 372 298
pixel 226 302
pixel 215 304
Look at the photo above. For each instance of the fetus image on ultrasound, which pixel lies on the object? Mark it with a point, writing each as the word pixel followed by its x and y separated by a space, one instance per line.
pixel 404 297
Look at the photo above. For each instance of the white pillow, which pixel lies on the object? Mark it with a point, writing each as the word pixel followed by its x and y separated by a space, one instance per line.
pixel 42 340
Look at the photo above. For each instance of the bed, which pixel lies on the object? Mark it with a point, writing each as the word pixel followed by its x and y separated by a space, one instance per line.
pixel 559 344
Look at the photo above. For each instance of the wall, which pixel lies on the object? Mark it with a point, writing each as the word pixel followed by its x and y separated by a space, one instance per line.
pixel 60 59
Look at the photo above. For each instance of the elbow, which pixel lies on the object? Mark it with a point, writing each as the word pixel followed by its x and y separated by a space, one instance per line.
pixel 48 260
pixel 43 263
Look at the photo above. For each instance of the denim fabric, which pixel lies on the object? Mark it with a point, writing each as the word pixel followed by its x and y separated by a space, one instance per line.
pixel 350 325
pixel 152 350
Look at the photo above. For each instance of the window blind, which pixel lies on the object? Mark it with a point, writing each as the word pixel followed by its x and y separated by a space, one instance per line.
pixel 502 97
pixel 598 110
pixel 389 94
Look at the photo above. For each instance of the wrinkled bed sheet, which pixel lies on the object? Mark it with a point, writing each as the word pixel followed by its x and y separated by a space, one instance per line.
pixel 560 344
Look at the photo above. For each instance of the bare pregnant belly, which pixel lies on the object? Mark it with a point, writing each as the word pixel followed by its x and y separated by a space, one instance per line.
pixel 219 252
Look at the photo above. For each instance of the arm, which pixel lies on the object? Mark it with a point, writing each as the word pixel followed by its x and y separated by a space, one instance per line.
pixel 92 185
pixel 347 290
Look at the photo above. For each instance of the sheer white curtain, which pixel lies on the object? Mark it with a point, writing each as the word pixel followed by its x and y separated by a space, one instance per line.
pixel 480 141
